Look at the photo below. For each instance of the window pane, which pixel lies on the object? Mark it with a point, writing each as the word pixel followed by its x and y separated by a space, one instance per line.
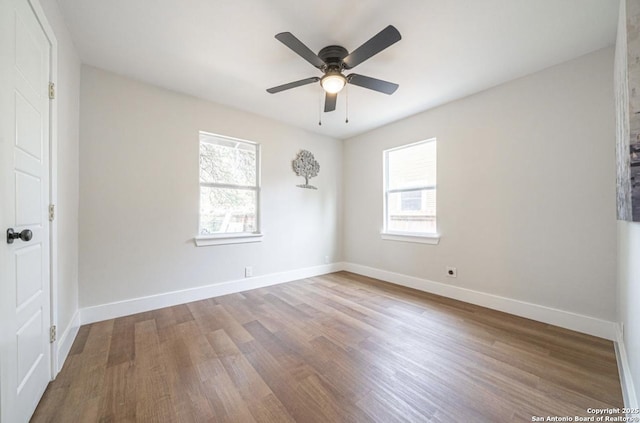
pixel 412 211
pixel 227 162
pixel 410 200
pixel 224 210
pixel 412 167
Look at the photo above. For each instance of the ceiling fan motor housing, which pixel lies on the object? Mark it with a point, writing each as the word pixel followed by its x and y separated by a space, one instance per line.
pixel 332 56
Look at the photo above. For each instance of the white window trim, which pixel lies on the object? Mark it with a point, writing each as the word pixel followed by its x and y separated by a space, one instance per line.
pixel 232 237
pixel 432 239
pixel 239 238
pixel 420 238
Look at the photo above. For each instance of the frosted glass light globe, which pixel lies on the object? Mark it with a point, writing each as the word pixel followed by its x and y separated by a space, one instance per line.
pixel 333 83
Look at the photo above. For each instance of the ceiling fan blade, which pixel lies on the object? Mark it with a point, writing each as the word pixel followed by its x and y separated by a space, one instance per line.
pixel 293 84
pixel 375 45
pixel 289 40
pixel 372 83
pixel 330 102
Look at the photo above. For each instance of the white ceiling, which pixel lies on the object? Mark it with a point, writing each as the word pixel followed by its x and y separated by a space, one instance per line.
pixel 225 50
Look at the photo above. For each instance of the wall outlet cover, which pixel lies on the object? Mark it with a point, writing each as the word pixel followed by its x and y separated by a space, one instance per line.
pixel 452 272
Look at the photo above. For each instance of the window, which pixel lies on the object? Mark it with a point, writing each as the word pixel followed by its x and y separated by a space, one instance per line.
pixel 410 192
pixel 229 190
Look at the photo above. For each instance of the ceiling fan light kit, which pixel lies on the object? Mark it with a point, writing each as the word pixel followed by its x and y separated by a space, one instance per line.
pixel 333 83
pixel 333 60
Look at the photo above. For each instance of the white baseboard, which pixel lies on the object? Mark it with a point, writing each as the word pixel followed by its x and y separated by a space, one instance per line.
pixel 577 322
pixel 153 302
pixel 66 340
pixel 628 389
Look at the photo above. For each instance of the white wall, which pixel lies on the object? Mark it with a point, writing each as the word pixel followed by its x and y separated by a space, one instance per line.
pixel 139 193
pixel 629 297
pixel 526 190
pixel 67 99
pixel 628 232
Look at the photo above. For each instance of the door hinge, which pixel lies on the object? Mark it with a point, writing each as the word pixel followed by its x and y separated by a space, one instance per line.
pixel 52 212
pixel 52 90
pixel 52 334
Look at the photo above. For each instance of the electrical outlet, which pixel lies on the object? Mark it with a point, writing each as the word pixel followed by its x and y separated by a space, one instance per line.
pixel 452 272
pixel 326 259
pixel 248 272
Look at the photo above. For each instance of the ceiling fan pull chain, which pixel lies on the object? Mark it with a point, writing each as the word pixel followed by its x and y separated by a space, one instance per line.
pixel 346 92
pixel 320 108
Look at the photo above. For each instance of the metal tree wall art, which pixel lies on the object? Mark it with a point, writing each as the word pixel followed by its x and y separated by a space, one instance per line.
pixel 306 165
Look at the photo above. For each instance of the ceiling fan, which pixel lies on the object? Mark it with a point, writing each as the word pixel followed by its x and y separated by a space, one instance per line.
pixel 333 60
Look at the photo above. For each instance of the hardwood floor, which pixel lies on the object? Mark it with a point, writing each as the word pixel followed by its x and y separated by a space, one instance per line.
pixel 335 348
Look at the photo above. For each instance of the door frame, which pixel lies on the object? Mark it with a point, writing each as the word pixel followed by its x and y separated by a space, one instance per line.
pixel 53 179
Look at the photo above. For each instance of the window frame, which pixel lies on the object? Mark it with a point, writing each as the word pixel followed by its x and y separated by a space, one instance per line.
pixel 231 237
pixel 417 237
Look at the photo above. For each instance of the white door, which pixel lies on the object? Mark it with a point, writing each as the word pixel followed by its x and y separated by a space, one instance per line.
pixel 25 354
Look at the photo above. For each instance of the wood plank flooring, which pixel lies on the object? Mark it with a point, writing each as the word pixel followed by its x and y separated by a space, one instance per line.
pixel 335 348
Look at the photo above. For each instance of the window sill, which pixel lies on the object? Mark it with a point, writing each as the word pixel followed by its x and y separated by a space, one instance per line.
pixel 432 239
pixel 206 240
